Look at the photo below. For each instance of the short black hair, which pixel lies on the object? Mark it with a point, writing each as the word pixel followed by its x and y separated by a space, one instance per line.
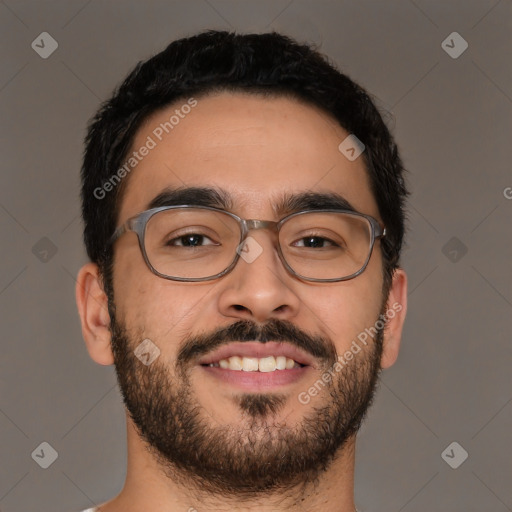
pixel 214 61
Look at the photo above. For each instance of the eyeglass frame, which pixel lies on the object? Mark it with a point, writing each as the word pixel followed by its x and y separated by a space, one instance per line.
pixel 138 224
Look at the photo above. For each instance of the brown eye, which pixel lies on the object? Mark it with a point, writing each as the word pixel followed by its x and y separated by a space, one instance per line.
pixel 190 240
pixel 311 242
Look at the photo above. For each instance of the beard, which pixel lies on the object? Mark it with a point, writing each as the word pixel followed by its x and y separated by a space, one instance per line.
pixel 260 453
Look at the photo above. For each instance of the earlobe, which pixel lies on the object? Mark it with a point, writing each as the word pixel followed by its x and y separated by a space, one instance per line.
pixel 395 312
pixel 92 302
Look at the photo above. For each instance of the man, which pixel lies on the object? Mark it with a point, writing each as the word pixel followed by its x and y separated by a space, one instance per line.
pixel 243 207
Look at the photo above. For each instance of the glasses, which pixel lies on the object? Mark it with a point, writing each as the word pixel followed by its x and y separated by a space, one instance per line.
pixel 196 243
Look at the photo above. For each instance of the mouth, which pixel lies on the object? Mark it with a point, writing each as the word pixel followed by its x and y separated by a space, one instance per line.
pixel 257 366
pixel 254 364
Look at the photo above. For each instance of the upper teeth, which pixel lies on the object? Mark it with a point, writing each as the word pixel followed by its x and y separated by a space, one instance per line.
pixel 253 364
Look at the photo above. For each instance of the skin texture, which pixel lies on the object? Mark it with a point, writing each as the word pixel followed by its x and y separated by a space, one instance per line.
pixel 255 149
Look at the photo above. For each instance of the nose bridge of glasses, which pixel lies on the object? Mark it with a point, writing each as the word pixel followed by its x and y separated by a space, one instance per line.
pixel 253 224
pixel 260 224
pixel 249 225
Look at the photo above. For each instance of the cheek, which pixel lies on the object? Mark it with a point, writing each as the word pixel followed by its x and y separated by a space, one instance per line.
pixel 162 310
pixel 346 309
pixel 144 300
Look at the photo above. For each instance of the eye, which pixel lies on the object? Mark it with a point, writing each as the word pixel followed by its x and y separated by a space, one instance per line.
pixel 190 240
pixel 315 242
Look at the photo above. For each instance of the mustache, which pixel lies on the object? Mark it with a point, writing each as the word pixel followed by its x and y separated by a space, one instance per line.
pixel 274 330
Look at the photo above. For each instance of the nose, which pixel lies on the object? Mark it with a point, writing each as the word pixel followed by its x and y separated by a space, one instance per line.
pixel 259 287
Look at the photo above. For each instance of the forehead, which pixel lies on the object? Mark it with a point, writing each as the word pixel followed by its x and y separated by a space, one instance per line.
pixel 256 150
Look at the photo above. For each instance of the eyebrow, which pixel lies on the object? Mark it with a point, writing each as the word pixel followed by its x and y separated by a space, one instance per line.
pixel 286 204
pixel 196 196
pixel 290 203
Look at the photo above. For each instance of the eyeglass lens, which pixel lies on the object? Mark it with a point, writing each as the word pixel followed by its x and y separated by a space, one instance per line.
pixel 199 243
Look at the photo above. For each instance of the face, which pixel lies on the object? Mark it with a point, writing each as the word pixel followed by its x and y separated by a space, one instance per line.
pixel 226 433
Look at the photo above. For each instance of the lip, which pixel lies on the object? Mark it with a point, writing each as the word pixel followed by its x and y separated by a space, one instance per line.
pixel 257 381
pixel 259 350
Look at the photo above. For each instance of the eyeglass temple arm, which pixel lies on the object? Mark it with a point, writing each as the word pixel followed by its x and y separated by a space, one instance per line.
pixel 377 228
pixel 130 225
pixel 117 233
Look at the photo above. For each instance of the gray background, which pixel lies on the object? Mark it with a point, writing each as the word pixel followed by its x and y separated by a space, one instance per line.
pixel 452 120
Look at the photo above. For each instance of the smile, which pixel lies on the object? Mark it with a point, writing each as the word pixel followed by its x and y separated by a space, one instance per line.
pixel 254 364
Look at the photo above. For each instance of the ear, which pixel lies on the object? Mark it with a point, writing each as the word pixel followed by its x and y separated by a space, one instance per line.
pixel 395 313
pixel 92 303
